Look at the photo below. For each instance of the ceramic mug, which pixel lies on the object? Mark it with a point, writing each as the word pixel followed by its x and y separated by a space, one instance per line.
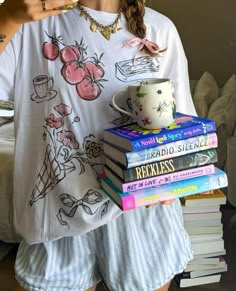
pixel 153 103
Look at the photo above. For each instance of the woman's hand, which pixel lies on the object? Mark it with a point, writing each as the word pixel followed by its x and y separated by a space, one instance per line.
pixel 166 202
pixel 23 11
pixel 14 13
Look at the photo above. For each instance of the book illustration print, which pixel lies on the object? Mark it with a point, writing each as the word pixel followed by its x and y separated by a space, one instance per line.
pixel 127 71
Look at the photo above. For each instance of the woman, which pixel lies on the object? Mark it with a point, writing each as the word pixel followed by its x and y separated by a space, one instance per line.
pixel 61 72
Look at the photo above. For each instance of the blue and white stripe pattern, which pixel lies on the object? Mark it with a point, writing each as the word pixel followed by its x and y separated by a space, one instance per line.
pixel 140 250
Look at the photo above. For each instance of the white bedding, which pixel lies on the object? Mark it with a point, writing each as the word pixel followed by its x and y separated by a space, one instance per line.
pixel 7 232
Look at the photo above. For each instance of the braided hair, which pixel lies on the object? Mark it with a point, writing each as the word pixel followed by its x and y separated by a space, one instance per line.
pixel 134 12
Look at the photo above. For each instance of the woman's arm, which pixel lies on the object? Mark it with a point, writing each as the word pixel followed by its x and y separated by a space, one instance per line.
pixel 15 13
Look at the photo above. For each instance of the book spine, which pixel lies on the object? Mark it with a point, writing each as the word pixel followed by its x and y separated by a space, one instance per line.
pixel 184 275
pixel 171 150
pixel 197 128
pixel 175 190
pixel 168 178
pixel 170 165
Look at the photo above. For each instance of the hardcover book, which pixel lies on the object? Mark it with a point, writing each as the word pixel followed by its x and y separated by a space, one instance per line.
pixel 216 197
pixel 163 167
pixel 195 238
pixel 205 223
pixel 130 200
pixel 162 152
pixel 213 254
pixel 200 209
pixel 158 180
pixel 185 282
pixel 208 247
pixel 195 230
pixel 134 138
pixel 219 263
pixel 205 261
pixel 200 216
pixel 200 273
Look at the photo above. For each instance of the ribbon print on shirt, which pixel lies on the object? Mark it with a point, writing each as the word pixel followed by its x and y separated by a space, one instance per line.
pixel 79 70
pixel 71 203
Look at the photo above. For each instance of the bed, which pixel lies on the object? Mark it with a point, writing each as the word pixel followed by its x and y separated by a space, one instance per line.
pixel 7 140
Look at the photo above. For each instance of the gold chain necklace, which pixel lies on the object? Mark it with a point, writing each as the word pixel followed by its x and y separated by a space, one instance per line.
pixel 105 30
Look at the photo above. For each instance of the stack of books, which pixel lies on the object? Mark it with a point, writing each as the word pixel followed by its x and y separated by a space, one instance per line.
pixel 143 166
pixel 202 219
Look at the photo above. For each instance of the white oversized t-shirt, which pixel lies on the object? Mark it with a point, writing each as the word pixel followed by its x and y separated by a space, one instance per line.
pixel 62 77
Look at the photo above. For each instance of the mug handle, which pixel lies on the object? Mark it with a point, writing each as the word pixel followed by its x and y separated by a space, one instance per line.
pixel 51 82
pixel 116 106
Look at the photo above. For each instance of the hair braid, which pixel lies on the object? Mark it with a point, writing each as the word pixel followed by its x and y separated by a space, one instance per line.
pixel 134 12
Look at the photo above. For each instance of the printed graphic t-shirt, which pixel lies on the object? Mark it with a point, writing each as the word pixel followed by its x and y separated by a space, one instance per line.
pixel 61 77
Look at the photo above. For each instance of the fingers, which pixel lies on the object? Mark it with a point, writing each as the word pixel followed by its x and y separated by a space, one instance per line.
pixel 166 202
pixel 46 8
pixel 60 4
pixel 151 205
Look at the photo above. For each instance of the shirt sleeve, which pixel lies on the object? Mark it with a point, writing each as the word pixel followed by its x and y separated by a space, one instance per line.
pixel 8 63
pixel 176 68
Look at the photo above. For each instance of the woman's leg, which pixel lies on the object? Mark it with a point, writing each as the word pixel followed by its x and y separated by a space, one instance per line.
pixel 164 288
pixel 140 249
pixel 17 287
pixel 68 263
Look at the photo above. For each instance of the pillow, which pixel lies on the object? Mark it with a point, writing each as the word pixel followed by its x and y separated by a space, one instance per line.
pixel 205 93
pixel 230 86
pixel 222 111
pixel 193 84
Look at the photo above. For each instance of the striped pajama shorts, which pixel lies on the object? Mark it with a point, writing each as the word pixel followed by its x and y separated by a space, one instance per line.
pixel 139 251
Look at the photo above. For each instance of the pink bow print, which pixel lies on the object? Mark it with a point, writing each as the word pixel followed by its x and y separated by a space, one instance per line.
pixel 151 46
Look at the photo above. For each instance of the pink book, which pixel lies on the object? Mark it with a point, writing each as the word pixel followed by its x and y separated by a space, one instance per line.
pixel 177 189
pixel 158 180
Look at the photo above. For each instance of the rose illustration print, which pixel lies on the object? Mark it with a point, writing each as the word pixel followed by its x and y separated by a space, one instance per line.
pixel 62 151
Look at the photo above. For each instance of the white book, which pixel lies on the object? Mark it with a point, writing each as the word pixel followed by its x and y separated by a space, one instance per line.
pixel 213 254
pixel 202 216
pixel 200 273
pixel 198 281
pixel 194 230
pixel 205 261
pixel 200 209
pixel 208 247
pixel 208 222
pixel 205 237
pixel 6 113
pixel 199 267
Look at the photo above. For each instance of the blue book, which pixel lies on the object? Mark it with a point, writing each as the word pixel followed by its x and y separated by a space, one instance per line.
pixel 131 137
pixel 146 196
pixel 161 152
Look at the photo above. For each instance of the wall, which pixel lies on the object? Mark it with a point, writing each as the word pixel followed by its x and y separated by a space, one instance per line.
pixel 208 32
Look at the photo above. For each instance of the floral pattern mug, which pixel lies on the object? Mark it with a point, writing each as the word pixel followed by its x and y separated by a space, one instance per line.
pixel 153 102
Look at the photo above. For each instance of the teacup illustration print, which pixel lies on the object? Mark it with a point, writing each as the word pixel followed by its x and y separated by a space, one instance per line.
pixel 43 87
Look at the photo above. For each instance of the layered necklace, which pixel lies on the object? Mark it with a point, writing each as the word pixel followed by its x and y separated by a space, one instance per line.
pixel 105 30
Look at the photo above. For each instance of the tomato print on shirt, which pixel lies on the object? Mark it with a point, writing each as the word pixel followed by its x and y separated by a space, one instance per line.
pixel 83 72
